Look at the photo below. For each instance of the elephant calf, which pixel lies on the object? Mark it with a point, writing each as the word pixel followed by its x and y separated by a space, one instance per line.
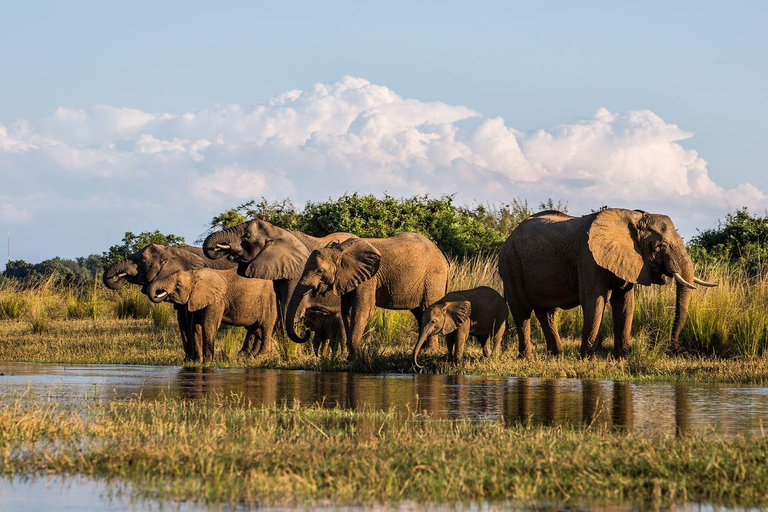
pixel 480 312
pixel 214 297
pixel 328 328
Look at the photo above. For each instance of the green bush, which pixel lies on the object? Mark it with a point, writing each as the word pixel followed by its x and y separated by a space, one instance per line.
pixel 457 230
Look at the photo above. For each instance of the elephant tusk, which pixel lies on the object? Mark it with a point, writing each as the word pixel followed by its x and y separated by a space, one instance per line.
pixel 122 274
pixel 225 247
pixel 161 294
pixel 682 281
pixel 704 283
pixel 308 292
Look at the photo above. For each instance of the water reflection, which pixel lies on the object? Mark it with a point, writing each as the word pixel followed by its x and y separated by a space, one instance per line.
pixel 670 409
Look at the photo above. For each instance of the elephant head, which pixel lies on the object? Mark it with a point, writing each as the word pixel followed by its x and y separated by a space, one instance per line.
pixel 262 250
pixel 644 248
pixel 198 289
pixel 315 316
pixel 152 262
pixel 441 318
pixel 338 267
pixel 115 276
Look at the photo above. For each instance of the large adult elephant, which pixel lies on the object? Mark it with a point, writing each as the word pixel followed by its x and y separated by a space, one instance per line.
pixel 157 261
pixel 553 261
pixel 406 271
pixel 265 251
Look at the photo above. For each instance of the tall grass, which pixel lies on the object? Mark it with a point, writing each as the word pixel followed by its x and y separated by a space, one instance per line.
pixel 728 321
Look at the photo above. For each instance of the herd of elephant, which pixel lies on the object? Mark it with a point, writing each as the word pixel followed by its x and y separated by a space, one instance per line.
pixel 262 277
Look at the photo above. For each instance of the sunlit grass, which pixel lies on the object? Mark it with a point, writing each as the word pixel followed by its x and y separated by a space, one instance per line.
pixel 725 339
pixel 220 449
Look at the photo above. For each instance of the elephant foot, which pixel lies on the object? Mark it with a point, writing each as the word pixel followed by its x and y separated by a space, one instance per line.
pixel 244 354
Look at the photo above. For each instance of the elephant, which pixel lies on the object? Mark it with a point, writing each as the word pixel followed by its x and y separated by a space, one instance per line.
pixel 157 261
pixel 265 251
pixel 554 261
pixel 213 297
pixel 406 271
pixel 328 328
pixel 480 312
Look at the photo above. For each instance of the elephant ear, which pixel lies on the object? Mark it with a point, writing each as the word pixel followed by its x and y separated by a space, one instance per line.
pixel 456 313
pixel 207 287
pixel 358 263
pixel 614 243
pixel 283 256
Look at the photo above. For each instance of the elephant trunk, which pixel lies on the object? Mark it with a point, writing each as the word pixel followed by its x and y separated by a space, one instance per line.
pixel 678 262
pixel 425 334
pixel 296 307
pixel 221 243
pixel 116 275
pixel 157 291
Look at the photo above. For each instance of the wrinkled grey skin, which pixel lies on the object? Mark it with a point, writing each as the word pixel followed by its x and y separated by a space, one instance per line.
pixel 157 261
pixel 265 251
pixel 553 261
pixel 213 297
pixel 406 271
pixel 480 312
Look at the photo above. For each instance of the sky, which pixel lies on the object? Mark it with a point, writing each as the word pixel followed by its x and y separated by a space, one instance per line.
pixel 136 116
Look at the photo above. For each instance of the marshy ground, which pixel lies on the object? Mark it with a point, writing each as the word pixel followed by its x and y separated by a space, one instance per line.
pixel 221 445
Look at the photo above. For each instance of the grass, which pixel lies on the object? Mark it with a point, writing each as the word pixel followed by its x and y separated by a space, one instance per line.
pixel 726 337
pixel 221 450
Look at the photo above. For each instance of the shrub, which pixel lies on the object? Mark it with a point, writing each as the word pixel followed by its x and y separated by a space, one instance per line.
pixel 133 304
pixel 12 306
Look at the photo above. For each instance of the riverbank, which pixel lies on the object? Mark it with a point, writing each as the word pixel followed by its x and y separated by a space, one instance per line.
pixel 132 341
pixel 221 450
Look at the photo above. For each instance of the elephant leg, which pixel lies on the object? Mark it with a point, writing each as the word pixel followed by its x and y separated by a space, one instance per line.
pixel 523 327
pixel 548 321
pixel 486 344
pixel 462 333
pixel 196 335
pixel 357 307
pixel 267 340
pixel 450 341
pixel 211 323
pixel 182 317
pixel 248 343
pixel 593 309
pixel 622 309
pixel 498 336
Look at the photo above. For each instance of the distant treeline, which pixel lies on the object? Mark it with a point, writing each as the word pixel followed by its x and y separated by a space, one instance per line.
pixel 459 231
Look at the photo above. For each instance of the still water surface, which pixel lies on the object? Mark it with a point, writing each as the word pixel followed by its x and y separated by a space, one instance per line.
pixel 647 408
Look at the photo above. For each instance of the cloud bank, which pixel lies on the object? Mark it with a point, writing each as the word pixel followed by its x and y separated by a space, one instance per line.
pixel 124 169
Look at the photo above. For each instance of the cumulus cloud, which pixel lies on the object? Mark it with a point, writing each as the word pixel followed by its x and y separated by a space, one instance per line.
pixel 345 136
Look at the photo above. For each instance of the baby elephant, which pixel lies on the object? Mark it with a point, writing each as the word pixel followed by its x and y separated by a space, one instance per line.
pixel 216 296
pixel 481 312
pixel 328 328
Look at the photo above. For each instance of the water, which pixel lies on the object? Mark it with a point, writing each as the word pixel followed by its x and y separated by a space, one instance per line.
pixel 81 494
pixel 648 409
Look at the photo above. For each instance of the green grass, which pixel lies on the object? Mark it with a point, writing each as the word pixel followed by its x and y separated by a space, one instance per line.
pixel 221 450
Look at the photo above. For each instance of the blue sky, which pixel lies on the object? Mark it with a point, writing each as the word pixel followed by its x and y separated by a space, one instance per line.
pixel 660 70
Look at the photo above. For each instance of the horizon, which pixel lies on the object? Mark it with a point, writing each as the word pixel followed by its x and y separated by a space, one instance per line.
pixel 115 120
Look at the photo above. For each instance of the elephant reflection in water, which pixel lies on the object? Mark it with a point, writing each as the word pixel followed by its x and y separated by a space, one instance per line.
pixel 682 411
pixel 595 410
pixel 193 382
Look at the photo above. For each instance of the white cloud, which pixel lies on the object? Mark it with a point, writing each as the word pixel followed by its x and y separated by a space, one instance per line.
pixel 347 136
pixel 9 212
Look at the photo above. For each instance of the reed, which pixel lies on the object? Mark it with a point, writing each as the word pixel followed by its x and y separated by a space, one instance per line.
pixel 222 450
pixel 727 322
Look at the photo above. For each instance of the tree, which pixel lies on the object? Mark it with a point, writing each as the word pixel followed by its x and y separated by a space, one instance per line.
pixel 742 238
pixel 132 243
